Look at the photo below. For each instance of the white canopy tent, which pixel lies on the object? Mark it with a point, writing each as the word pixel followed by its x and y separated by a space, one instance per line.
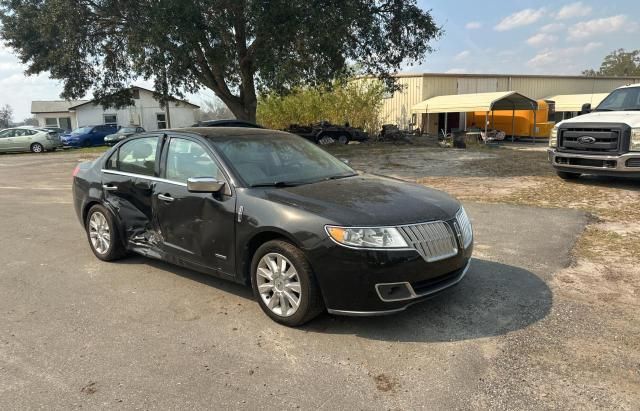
pixel 466 103
pixel 574 102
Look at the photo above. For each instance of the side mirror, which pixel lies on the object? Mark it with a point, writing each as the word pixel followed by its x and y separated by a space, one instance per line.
pixel 586 108
pixel 204 185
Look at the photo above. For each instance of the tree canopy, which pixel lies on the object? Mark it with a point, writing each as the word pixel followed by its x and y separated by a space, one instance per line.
pixel 234 47
pixel 618 63
pixel 6 114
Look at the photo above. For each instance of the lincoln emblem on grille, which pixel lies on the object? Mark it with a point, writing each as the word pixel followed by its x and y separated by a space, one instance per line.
pixel 586 140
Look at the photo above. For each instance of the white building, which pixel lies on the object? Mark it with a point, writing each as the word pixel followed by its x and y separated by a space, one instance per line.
pixel 145 112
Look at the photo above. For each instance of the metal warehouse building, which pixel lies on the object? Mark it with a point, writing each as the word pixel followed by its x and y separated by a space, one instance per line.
pixel 416 88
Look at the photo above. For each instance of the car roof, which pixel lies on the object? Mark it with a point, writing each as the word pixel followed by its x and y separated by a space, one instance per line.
pixel 218 133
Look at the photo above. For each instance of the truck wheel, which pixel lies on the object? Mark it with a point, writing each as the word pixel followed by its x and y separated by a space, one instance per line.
pixel 565 175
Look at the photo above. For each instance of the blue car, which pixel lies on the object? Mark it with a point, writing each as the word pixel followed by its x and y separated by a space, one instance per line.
pixel 88 136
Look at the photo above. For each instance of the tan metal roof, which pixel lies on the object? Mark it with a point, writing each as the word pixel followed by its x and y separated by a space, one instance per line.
pixel 574 102
pixel 466 103
pixel 55 106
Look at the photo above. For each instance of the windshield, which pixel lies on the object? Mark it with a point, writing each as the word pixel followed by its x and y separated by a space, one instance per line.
pixel 279 160
pixel 621 100
pixel 125 130
pixel 81 130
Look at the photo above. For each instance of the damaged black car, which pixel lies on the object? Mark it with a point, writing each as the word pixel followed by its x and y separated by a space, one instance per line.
pixel 271 210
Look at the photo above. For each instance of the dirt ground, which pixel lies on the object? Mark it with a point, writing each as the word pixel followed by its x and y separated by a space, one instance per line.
pixel 598 353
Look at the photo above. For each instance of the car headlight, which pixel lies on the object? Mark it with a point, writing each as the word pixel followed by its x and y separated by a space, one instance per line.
pixel 635 139
pixel 367 237
pixel 553 138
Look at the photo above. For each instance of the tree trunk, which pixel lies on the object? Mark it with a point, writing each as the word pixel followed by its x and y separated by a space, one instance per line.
pixel 243 109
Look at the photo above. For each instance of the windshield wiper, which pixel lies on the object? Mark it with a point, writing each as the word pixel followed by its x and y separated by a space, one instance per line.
pixel 279 184
pixel 339 177
pixel 631 109
pixel 604 109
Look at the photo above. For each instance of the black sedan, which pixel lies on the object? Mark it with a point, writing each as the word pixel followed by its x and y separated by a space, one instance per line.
pixel 306 231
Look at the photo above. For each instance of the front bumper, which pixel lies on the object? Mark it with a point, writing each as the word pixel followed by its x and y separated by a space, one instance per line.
pixel 376 282
pixel 625 164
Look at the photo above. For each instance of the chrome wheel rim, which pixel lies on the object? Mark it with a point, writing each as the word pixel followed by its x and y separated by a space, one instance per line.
pixel 99 233
pixel 278 284
pixel 37 148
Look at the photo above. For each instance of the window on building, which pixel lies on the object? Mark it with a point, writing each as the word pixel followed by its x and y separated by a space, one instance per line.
pixel 162 120
pixel 135 94
pixel 110 119
pixel 51 121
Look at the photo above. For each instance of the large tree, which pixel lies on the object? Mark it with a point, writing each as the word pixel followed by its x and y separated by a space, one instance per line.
pixel 233 47
pixel 618 63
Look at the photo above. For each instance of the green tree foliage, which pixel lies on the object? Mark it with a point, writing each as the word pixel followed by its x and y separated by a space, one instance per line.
pixel 233 47
pixel 357 102
pixel 618 63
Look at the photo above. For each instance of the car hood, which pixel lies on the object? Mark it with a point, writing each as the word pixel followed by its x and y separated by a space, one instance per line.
pixel 367 200
pixel 632 118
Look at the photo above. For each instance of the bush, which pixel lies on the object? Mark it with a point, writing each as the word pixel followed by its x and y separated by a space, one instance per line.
pixel 357 102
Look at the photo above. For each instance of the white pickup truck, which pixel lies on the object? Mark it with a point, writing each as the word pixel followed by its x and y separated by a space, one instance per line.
pixel 604 141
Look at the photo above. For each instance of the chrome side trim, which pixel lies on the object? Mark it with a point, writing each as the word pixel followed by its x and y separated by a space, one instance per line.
pixel 151 178
pixel 366 313
pixel 412 293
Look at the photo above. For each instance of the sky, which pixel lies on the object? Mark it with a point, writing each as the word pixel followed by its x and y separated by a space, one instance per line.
pixel 515 37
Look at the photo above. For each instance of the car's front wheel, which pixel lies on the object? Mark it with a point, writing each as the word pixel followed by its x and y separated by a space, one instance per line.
pixel 283 281
pixel 103 235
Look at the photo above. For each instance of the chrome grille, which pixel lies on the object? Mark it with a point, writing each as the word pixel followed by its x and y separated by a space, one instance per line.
pixel 466 230
pixel 433 241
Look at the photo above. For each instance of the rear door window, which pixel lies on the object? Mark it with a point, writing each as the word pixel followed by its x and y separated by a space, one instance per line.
pixel 138 156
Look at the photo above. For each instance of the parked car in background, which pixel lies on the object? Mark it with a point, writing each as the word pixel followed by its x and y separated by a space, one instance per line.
pixel 28 139
pixel 271 210
pixel 121 134
pixel 88 136
pixel 327 133
pixel 227 123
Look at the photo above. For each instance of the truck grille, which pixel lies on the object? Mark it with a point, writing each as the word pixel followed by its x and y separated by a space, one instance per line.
pixel 593 140
pixel 434 241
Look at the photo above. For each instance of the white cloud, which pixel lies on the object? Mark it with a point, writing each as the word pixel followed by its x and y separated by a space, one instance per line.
pixel 590 28
pixel 473 25
pixel 462 55
pixel 541 39
pixel 457 70
pixel 552 28
pixel 520 18
pixel 573 10
pixel 558 57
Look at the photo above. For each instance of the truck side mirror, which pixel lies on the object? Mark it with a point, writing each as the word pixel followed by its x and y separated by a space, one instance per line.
pixel 586 108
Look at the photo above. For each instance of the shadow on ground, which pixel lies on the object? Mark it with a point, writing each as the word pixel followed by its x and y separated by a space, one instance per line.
pixel 493 299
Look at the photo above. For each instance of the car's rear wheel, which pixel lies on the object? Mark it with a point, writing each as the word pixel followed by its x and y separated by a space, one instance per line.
pixel 283 281
pixel 37 148
pixel 343 139
pixel 565 175
pixel 103 235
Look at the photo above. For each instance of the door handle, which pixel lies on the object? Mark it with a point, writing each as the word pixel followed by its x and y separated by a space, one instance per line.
pixel 166 198
pixel 109 187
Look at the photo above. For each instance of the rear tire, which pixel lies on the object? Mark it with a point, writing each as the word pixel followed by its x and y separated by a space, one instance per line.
pixel 102 234
pixel 565 175
pixel 343 139
pixel 270 283
pixel 37 148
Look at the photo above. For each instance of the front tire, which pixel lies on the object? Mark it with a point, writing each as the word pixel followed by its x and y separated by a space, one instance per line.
pixel 565 175
pixel 284 284
pixel 103 235
pixel 37 148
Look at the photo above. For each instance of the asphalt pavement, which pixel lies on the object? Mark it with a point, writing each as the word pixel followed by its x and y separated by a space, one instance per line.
pixel 142 334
